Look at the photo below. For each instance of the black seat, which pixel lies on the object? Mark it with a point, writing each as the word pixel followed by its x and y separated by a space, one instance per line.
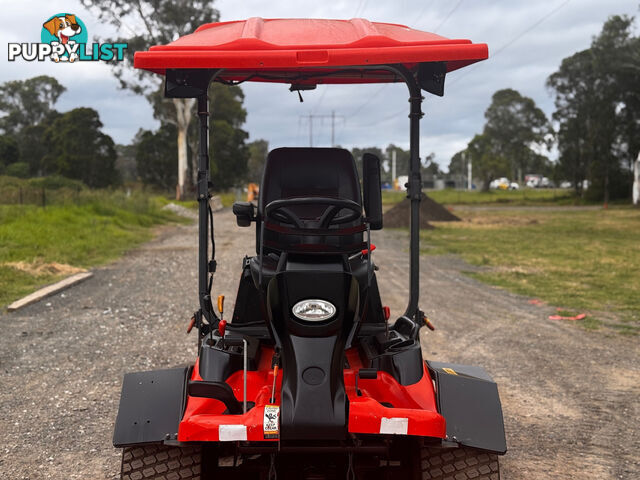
pixel 307 173
pixel 304 173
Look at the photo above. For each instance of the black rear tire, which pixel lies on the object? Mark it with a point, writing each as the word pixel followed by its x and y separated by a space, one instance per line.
pixel 462 463
pixel 161 462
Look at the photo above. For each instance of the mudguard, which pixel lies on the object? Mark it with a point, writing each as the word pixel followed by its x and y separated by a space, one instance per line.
pixel 151 406
pixel 468 399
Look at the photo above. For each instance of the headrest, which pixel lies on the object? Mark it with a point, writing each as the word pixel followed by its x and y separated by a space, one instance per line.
pixel 306 172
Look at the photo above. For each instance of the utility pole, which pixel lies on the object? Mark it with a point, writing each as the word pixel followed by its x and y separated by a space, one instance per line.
pixel 333 117
pixel 393 167
pixel 469 176
pixel 333 123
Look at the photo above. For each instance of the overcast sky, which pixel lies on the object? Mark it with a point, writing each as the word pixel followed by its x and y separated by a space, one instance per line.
pixel 527 41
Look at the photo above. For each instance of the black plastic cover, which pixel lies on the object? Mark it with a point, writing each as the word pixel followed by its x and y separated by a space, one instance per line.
pixel 372 190
pixel 314 401
pixel 468 399
pixel 151 406
pixel 244 212
pixel 431 76
pixel 187 83
pixel 217 364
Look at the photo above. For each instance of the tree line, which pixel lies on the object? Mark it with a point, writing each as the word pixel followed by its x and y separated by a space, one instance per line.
pixel 595 126
pixel 37 140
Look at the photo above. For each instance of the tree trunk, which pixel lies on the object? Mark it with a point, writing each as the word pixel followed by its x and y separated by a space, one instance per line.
pixel 193 145
pixel 606 185
pixel 184 107
pixel 636 181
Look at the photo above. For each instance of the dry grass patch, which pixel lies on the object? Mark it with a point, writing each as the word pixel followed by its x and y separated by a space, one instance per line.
pixel 585 260
pixel 38 268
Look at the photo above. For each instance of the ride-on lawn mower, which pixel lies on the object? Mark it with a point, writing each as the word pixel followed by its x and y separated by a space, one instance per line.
pixel 308 379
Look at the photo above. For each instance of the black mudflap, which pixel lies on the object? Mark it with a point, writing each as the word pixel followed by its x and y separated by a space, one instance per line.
pixel 468 400
pixel 151 406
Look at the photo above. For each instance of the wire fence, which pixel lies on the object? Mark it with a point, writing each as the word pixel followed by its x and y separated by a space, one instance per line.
pixel 42 196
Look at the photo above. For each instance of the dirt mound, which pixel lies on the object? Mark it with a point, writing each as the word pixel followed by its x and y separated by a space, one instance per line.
pixel 430 210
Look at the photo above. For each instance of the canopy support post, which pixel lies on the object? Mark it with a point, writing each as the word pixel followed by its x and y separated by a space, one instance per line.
pixel 203 209
pixel 206 264
pixel 414 193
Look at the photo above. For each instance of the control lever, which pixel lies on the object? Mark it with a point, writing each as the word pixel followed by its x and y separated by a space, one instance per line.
pixel 366 251
pixel 222 324
pixel 221 305
pixel 428 323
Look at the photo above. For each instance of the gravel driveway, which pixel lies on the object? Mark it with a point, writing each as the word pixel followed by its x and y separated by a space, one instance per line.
pixel 570 397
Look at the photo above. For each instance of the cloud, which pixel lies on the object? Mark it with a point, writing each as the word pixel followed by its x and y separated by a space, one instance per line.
pixel 519 61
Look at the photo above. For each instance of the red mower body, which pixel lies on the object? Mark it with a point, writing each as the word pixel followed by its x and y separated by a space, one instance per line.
pixel 382 406
pixel 309 379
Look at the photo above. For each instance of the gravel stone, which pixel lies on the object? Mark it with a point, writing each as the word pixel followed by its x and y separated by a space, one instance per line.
pixel 570 397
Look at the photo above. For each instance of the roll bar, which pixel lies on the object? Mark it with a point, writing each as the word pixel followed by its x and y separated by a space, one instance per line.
pixel 195 83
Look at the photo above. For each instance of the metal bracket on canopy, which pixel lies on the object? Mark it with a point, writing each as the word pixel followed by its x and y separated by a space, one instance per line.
pixel 431 77
pixel 187 83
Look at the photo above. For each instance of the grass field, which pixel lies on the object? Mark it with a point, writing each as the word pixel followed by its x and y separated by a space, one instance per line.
pixel 41 245
pixel 502 197
pixel 580 260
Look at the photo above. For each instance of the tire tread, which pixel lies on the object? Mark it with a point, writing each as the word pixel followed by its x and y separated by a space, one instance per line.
pixel 462 463
pixel 161 462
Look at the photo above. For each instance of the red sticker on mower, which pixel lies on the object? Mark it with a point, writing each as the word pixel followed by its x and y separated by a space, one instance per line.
pixel 271 421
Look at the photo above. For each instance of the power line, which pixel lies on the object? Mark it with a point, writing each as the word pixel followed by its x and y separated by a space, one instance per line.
pixel 453 10
pixel 523 33
pixel 368 100
pixel 493 55
pixel 324 92
pixel 331 116
pixel 360 9
pixel 427 3
pixel 512 41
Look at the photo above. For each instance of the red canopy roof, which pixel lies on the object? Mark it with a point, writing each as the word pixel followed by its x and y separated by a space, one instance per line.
pixel 281 48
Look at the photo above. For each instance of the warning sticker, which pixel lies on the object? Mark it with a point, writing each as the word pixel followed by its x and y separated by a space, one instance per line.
pixel 271 421
pixel 450 371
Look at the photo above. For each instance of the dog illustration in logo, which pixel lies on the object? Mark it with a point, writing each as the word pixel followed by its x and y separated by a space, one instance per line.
pixel 63 28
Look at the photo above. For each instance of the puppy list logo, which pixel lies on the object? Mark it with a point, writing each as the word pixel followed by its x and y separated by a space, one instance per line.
pixel 64 38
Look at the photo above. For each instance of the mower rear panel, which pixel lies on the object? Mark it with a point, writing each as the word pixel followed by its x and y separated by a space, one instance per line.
pixel 384 406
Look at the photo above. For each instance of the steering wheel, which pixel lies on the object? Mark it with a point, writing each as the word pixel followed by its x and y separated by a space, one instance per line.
pixel 280 210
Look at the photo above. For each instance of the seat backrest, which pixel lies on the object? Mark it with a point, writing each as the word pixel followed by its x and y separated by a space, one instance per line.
pixel 309 172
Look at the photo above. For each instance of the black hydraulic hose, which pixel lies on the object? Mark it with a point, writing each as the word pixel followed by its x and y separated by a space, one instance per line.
pixel 213 240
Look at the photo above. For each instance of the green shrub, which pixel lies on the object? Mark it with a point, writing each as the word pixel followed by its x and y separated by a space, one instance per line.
pixel 18 169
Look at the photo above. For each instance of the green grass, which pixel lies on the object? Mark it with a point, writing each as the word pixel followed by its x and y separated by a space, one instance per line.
pixel 524 196
pixel 227 198
pixel 582 260
pixel 499 197
pixel 99 229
